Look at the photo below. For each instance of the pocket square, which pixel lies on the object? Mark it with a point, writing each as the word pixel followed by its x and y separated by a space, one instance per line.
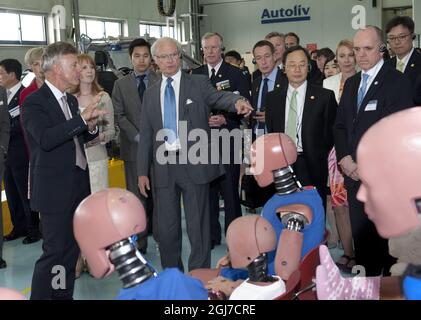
pixel 188 101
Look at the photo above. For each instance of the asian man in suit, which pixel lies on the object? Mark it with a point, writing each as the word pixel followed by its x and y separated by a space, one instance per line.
pixel 127 101
pixel 305 112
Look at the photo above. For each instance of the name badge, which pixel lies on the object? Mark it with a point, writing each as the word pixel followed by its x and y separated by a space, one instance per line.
pixel 371 106
pixel 14 112
pixel 223 85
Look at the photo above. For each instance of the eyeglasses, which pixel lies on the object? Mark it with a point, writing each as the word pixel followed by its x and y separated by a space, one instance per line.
pixel 171 56
pixel 295 66
pixel 401 37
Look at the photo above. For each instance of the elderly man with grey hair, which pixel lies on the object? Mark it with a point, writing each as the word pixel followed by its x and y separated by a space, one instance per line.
pixel 59 178
pixel 175 106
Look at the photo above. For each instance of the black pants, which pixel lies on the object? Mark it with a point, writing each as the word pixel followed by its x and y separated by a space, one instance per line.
pixel 24 220
pixel 371 250
pixel 54 273
pixel 227 186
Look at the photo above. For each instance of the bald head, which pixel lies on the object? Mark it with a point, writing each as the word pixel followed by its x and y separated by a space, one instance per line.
pixel 367 43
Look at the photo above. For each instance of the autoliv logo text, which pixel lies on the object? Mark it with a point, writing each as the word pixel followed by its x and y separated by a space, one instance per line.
pixel 296 13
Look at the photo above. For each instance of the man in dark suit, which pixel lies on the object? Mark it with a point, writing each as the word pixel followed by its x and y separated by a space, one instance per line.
pixel 271 78
pixel 59 177
pixel 127 101
pixel 400 36
pixel 225 77
pixel 306 113
pixel 370 95
pixel 25 222
pixel 177 106
pixel 278 41
pixel 4 142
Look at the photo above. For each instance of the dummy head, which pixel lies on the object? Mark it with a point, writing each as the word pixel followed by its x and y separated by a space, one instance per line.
pixel 9 294
pixel 389 157
pixel 247 238
pixel 105 218
pixel 271 152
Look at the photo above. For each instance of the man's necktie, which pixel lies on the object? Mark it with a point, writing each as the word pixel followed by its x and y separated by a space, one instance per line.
pixel 170 113
pixel 8 94
pixel 80 158
pixel 262 100
pixel 400 66
pixel 363 89
pixel 291 129
pixel 141 87
pixel 213 77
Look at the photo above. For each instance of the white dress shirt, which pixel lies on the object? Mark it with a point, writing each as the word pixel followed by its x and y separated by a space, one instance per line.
pixel 301 97
pixel 215 67
pixel 176 86
pixel 405 60
pixel 58 95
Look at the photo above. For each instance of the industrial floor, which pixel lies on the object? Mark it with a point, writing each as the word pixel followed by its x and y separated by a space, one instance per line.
pixel 21 258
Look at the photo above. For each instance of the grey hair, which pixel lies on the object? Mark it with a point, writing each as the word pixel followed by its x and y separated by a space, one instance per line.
pixel 158 42
pixel 208 35
pixel 33 55
pixel 54 52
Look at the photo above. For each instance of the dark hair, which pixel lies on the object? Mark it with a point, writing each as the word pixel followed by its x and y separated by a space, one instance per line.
pixel 314 51
pixel 233 54
pixel 405 21
pixel 329 60
pixel 293 49
pixel 264 43
pixel 139 42
pixel 12 65
pixel 292 34
pixel 326 52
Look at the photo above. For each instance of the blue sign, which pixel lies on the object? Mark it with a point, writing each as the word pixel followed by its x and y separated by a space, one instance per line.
pixel 298 13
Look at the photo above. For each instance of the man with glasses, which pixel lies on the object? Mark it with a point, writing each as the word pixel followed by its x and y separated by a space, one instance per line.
pixel 367 97
pixel 400 34
pixel 306 113
pixel 177 106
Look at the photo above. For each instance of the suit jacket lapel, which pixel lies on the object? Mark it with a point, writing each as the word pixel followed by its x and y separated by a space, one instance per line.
pixel 182 97
pixel 281 110
pixel 374 87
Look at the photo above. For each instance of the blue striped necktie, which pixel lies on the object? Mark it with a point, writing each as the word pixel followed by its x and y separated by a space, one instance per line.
pixel 170 113
pixel 363 89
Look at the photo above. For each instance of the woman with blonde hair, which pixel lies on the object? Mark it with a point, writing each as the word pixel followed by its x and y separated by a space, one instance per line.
pixel 346 61
pixel 96 153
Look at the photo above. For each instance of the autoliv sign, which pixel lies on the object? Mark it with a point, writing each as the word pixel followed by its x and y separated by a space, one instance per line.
pixel 296 13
